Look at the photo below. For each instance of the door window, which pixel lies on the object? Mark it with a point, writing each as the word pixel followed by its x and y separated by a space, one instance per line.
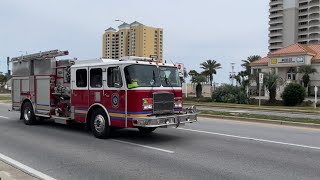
pixel 81 78
pixel 114 77
pixel 96 78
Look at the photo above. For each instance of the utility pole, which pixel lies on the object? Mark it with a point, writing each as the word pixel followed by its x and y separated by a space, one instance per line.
pixel 8 71
pixel 232 73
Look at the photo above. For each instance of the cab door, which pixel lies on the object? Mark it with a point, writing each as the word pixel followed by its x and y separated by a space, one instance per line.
pixel 79 93
pixel 114 92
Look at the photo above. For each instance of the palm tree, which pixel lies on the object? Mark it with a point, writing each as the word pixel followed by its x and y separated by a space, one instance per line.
pixel 306 70
pixel 197 78
pixel 271 80
pixel 248 61
pixel 210 67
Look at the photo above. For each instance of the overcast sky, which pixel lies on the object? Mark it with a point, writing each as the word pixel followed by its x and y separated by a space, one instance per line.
pixel 194 31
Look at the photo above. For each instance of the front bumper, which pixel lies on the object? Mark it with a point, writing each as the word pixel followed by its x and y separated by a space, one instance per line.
pixel 165 121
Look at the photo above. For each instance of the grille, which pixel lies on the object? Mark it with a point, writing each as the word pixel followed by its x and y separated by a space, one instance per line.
pixel 163 103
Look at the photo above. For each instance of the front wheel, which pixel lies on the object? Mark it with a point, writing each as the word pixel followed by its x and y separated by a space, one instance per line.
pixel 144 130
pixel 100 124
pixel 27 114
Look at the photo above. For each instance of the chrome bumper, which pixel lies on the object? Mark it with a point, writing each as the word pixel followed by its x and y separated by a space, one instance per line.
pixel 165 121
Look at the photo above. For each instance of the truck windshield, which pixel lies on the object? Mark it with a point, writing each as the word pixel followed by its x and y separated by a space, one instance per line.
pixel 142 76
pixel 169 76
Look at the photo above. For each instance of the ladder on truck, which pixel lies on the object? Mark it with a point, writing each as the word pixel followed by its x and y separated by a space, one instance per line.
pixel 40 55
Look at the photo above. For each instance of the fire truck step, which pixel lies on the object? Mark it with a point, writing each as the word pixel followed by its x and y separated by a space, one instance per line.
pixel 61 120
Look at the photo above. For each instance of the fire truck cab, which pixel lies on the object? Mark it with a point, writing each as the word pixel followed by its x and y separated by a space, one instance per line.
pixel 132 92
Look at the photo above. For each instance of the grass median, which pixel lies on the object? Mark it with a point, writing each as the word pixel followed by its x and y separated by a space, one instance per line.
pixel 261 116
pixel 5 99
pixel 247 106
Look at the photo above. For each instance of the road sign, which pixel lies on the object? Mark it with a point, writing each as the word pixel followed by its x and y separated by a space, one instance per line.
pixel 261 78
pixel 180 67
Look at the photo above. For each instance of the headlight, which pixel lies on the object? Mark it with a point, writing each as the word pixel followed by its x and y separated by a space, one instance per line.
pixel 178 104
pixel 147 106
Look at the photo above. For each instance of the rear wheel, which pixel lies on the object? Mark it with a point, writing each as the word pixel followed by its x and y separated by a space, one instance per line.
pixel 28 114
pixel 145 130
pixel 100 124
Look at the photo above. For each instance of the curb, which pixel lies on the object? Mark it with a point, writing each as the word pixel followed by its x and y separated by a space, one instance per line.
pixel 276 122
pixel 256 108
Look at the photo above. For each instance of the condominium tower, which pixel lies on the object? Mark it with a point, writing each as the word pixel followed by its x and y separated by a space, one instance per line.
pixel 293 21
pixel 133 39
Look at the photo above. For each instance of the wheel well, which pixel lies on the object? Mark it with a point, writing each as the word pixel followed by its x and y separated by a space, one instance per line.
pixel 89 114
pixel 21 108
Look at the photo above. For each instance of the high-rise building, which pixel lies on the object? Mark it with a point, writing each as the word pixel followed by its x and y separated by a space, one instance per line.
pixel 133 39
pixel 293 21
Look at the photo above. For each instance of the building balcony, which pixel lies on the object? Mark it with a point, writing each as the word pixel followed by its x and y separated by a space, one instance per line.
pixel 303 13
pixel 314 3
pixel 314 16
pixel 300 33
pixel 303 42
pixel 303 6
pixel 276 40
pixel 314 9
pixel 314 23
pixel 276 21
pixel 274 34
pixel 315 29
pixel 314 36
pixel 277 2
pixel 314 41
pixel 273 9
pixel 300 20
pixel 276 27
pixel 305 38
pixel 275 47
pixel 279 14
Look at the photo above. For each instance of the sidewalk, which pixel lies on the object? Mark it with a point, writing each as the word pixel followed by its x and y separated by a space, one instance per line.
pixel 7 172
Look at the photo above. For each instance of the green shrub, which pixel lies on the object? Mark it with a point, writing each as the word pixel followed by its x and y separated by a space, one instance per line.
pixel 293 94
pixel 230 94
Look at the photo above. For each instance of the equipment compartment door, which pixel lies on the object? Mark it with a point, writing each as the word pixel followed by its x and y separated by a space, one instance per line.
pixel 16 94
pixel 43 95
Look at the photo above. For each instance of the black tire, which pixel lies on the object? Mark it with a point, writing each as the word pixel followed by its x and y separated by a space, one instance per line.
pixel 144 130
pixel 28 114
pixel 100 124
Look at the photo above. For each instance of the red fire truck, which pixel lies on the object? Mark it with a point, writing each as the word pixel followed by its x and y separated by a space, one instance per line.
pixel 102 93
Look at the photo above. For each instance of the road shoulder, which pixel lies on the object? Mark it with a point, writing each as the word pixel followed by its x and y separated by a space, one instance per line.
pixel 276 122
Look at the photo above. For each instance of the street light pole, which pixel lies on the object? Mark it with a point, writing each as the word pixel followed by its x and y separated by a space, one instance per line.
pixel 232 73
pixel 130 45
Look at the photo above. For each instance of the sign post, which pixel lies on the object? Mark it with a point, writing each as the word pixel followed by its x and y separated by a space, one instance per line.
pixel 315 96
pixel 260 84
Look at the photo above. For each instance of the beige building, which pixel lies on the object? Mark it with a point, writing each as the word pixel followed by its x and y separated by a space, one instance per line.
pixel 293 21
pixel 286 62
pixel 133 39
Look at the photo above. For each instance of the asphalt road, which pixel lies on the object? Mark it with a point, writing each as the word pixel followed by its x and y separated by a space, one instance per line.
pixel 263 112
pixel 209 149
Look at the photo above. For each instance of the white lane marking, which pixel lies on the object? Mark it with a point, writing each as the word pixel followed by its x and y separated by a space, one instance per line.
pixel 254 139
pixel 145 146
pixel 25 168
pixel 4 117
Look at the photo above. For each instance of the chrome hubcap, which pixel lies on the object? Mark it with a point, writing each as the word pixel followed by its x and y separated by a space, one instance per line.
pixel 99 123
pixel 27 114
